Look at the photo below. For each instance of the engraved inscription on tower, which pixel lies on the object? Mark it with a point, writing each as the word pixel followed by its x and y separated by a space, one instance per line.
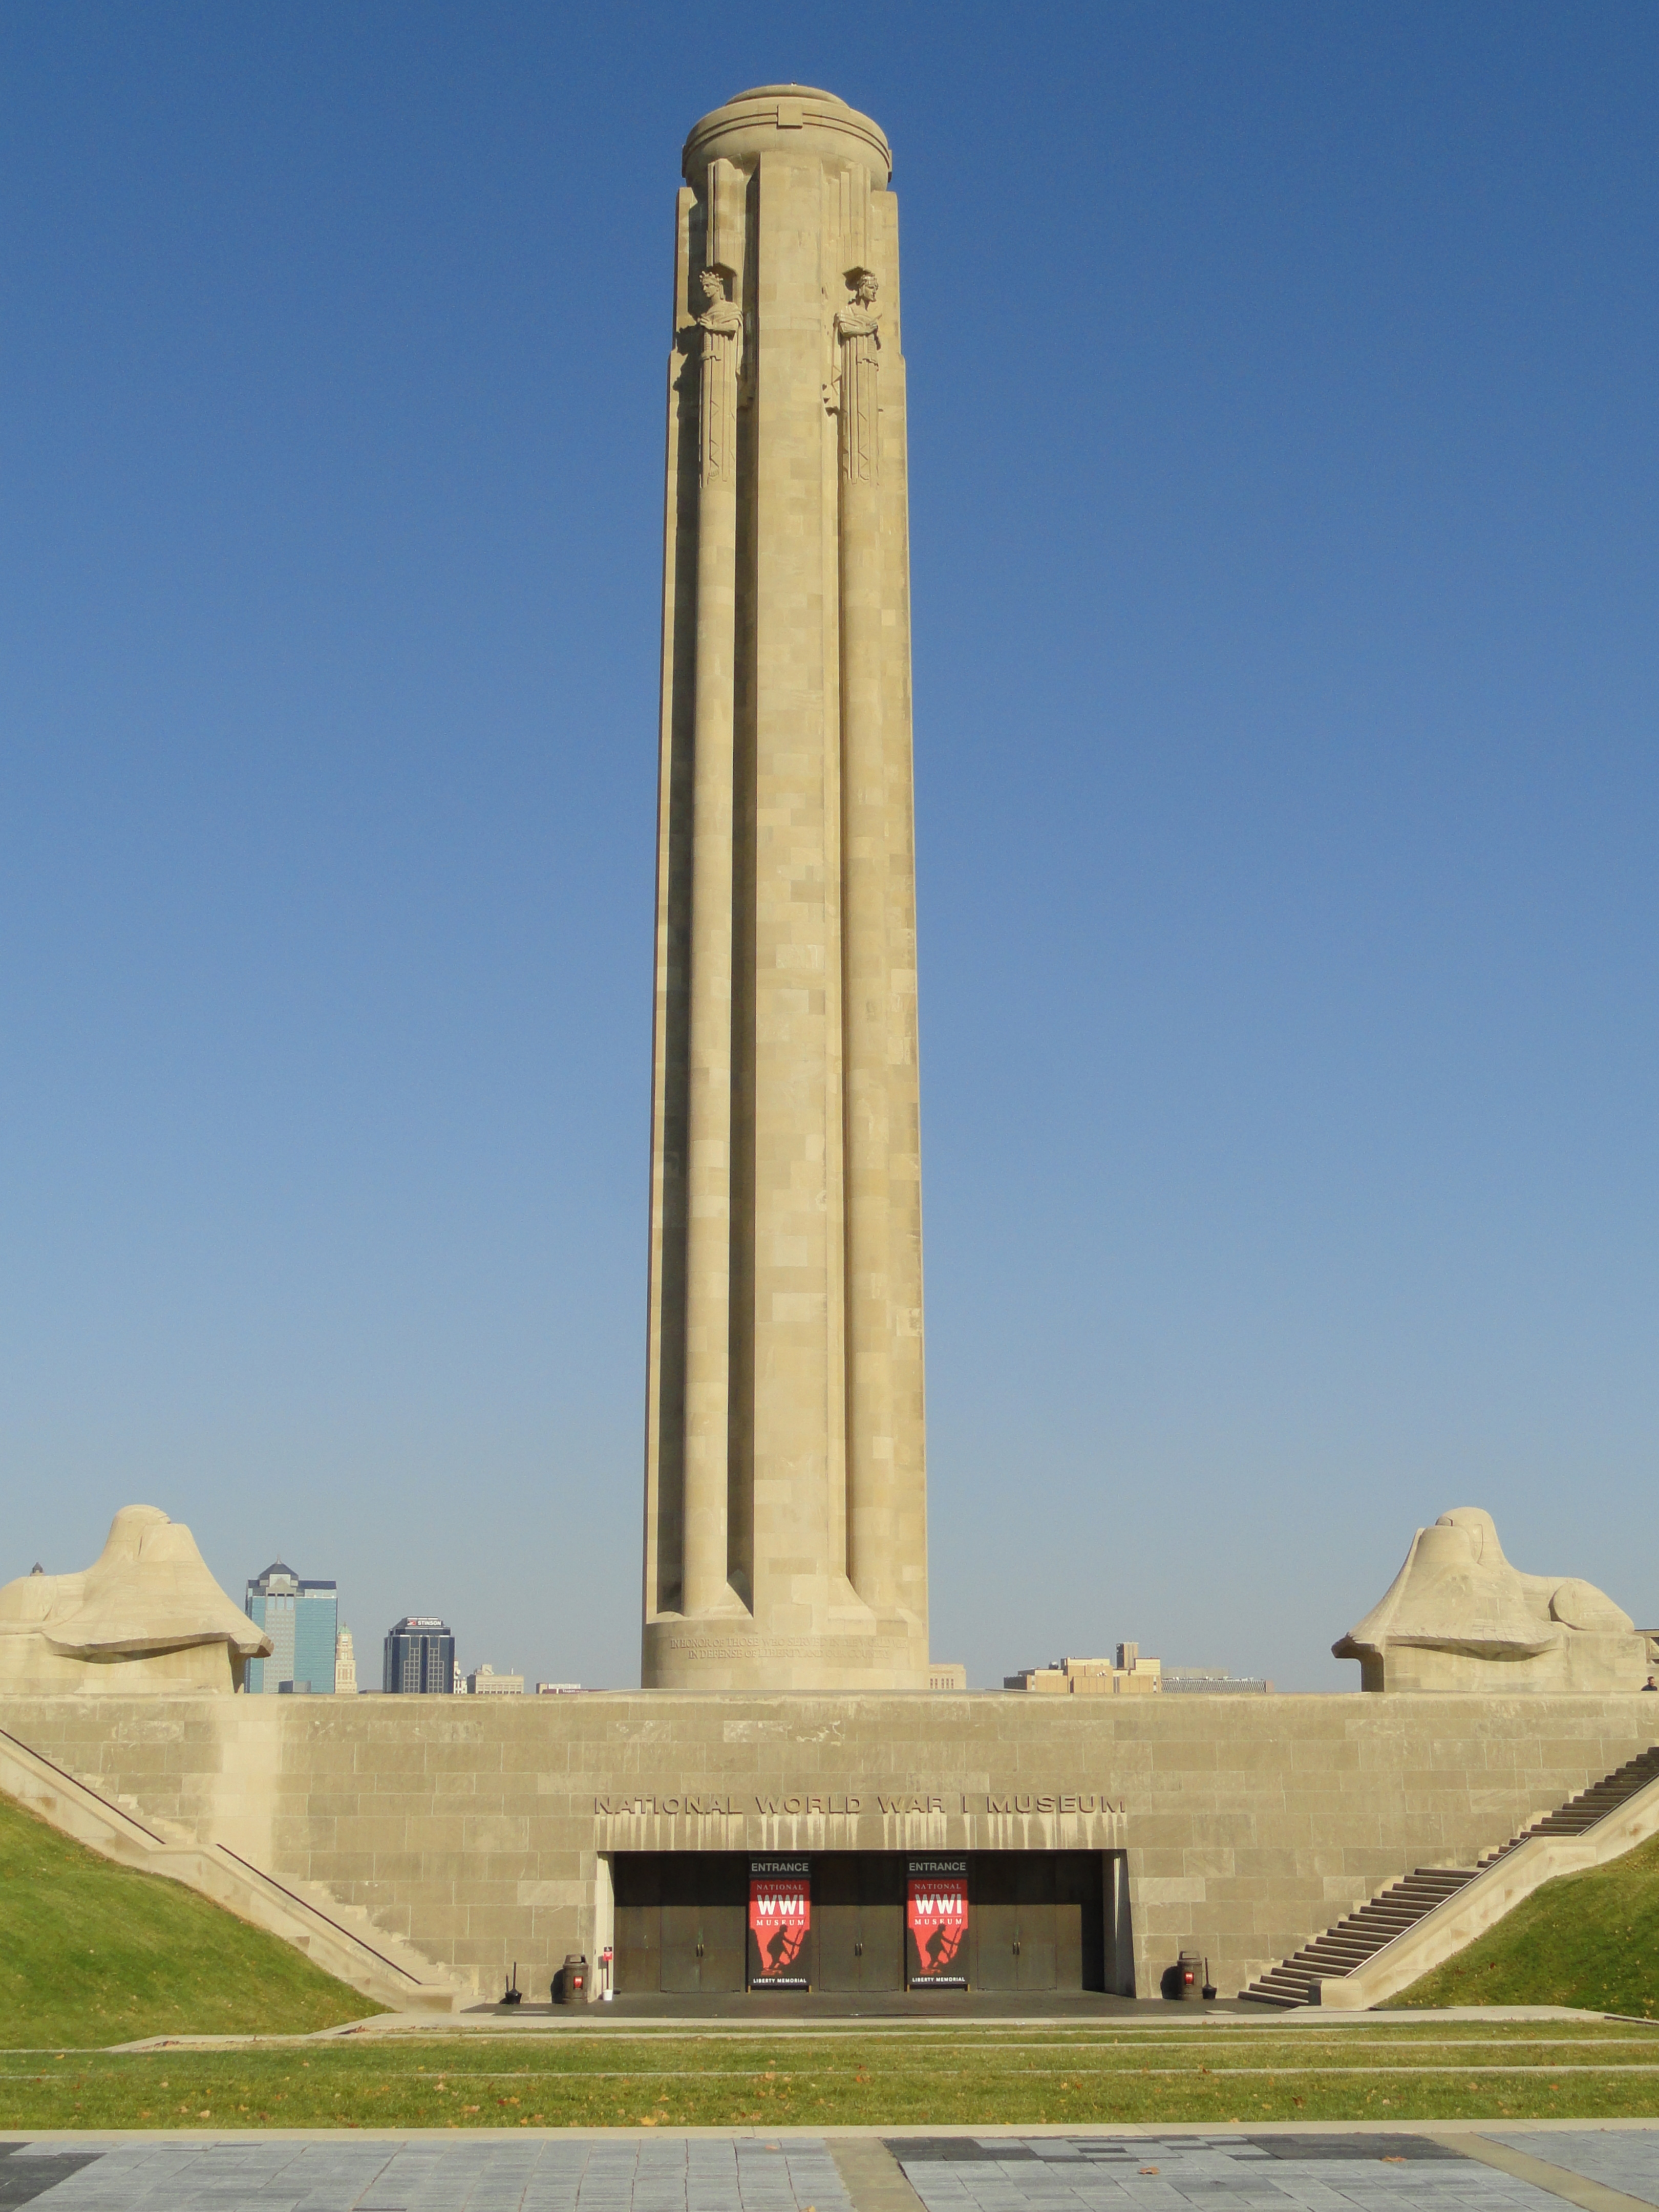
pixel 785 1488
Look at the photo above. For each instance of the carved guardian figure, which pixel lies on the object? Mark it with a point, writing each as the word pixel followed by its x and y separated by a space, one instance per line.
pixel 146 1619
pixel 1458 1616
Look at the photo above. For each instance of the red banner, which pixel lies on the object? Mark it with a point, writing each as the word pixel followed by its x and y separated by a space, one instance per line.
pixel 780 1918
pixel 936 1923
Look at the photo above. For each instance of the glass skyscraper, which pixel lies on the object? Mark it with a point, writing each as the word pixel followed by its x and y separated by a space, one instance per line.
pixel 419 1656
pixel 301 1619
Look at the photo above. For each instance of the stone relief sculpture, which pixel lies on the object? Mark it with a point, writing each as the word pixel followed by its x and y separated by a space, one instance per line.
pixel 146 1617
pixel 1458 1616
pixel 720 371
pixel 851 393
pixel 721 318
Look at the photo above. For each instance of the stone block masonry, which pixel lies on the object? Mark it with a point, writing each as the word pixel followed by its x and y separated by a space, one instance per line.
pixel 481 1831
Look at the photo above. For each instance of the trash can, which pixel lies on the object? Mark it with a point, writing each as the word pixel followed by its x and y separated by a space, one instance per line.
pixel 1189 1967
pixel 570 1983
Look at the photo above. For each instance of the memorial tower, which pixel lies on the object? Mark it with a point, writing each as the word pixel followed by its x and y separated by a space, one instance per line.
pixel 786 1502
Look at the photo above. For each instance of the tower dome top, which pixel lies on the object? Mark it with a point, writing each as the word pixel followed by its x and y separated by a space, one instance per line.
pixel 776 117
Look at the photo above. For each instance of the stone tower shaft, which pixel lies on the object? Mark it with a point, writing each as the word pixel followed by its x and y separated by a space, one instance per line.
pixel 786 1510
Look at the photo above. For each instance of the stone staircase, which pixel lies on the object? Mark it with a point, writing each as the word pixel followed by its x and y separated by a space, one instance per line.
pixel 1394 1911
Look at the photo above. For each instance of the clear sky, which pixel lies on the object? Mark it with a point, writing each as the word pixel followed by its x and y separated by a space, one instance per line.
pixel 1283 390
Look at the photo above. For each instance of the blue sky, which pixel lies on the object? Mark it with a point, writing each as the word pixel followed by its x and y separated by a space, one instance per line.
pixel 1282 485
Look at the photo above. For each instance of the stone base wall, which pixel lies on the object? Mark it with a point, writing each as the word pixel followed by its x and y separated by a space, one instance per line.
pixel 480 1829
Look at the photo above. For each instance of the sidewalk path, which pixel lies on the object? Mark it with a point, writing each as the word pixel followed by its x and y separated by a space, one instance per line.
pixel 1265 2170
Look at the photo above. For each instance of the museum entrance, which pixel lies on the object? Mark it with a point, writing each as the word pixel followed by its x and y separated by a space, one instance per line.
pixel 680 1921
pixel 863 1922
pixel 858 1914
pixel 1036 1920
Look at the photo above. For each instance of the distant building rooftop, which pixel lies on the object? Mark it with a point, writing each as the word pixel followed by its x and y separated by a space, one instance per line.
pixel 1214 1682
pixel 1127 1675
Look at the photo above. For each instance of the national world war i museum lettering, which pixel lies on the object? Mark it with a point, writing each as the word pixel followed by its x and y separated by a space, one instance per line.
pixel 785 1525
pixel 694 1806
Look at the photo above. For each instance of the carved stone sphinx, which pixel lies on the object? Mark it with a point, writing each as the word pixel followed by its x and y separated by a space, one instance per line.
pixel 1458 1616
pixel 146 1618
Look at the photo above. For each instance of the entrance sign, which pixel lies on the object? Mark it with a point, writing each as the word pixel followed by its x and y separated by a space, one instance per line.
pixel 779 1921
pixel 936 1925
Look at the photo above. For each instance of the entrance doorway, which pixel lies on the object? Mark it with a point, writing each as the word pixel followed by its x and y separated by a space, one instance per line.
pixel 681 1922
pixel 1037 1921
pixel 858 1915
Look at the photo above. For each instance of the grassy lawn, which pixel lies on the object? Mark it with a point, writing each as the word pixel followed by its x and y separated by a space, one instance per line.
pixel 858 2076
pixel 91 1953
pixel 1588 1939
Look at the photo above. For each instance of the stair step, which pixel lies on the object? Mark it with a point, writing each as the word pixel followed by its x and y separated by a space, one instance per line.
pixel 1394 1912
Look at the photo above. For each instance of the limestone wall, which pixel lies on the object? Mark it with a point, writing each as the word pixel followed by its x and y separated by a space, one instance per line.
pixel 478 1828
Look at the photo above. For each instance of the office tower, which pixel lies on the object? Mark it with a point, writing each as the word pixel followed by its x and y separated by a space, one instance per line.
pixel 301 1619
pixel 420 1657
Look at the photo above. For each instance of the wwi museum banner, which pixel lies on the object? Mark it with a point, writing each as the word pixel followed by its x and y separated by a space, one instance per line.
pixel 936 1925
pixel 779 1921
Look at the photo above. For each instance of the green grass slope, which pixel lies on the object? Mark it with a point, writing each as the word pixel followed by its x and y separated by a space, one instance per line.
pixel 1588 1938
pixel 91 1952
pixel 922 2072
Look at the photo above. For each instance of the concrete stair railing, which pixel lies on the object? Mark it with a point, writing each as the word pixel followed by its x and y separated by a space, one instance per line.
pixel 1419 1923
pixel 339 1938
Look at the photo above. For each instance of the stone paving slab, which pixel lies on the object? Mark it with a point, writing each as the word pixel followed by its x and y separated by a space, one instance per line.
pixel 21 2185
pixel 1619 2158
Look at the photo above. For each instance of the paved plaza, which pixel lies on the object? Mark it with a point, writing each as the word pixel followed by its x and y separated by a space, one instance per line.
pixel 1619 2158
pixel 428 2173
pixel 1274 2170
pixel 1268 2173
